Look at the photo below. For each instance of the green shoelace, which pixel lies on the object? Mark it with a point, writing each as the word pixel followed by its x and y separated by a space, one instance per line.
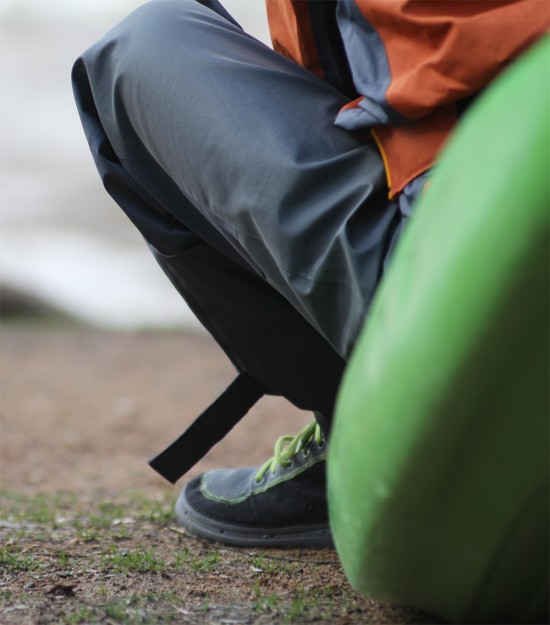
pixel 288 447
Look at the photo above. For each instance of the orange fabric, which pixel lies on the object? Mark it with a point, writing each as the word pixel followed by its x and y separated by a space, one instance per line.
pixel 462 45
pixel 442 51
pixel 291 34
pixel 438 52
pixel 408 151
pixel 353 104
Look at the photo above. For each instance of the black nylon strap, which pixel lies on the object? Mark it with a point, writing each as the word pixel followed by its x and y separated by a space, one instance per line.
pixel 208 428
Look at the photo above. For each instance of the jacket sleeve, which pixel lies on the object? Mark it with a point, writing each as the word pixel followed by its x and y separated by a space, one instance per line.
pixel 410 61
pixel 410 57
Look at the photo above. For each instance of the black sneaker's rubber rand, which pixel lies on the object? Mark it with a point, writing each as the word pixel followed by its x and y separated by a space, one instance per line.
pixel 312 536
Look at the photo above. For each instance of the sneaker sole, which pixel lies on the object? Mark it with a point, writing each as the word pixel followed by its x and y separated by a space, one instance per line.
pixel 309 536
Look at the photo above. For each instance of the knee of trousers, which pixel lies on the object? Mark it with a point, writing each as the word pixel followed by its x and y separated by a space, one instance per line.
pixel 111 76
pixel 160 24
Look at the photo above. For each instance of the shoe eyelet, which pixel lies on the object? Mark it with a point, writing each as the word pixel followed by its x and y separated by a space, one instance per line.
pixel 305 452
pixel 283 467
pixel 321 445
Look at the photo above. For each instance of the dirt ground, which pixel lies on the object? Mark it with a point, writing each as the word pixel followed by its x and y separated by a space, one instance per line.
pixel 86 530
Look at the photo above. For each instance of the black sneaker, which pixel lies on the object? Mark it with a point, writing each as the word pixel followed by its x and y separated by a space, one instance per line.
pixel 281 504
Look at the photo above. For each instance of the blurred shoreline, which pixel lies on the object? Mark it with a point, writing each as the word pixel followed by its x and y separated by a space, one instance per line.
pixel 62 239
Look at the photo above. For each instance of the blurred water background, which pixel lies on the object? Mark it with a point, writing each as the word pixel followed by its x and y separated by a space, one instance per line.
pixel 62 239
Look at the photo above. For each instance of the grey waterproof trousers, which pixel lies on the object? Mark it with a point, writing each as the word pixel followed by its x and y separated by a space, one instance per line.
pixel 273 223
